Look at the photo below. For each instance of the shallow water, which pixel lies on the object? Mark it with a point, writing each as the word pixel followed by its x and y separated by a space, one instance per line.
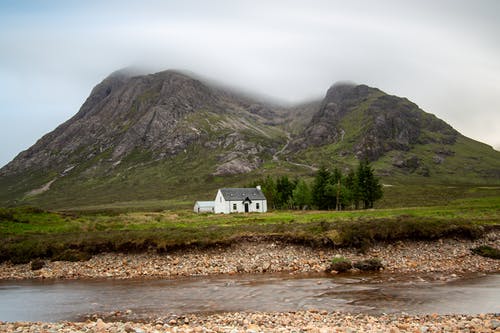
pixel 373 294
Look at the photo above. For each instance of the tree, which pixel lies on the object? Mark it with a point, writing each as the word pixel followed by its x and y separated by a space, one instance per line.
pixel 369 186
pixel 336 187
pixel 352 190
pixel 330 195
pixel 284 191
pixel 302 196
pixel 374 188
pixel 319 190
pixel 269 189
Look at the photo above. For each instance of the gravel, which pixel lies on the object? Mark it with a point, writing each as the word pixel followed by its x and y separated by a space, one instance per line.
pixel 304 321
pixel 451 256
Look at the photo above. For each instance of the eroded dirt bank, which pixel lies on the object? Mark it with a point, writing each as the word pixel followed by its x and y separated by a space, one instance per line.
pixel 448 256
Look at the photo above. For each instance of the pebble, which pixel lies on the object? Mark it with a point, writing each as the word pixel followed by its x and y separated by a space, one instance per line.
pixel 451 257
pixel 301 321
pixel 446 258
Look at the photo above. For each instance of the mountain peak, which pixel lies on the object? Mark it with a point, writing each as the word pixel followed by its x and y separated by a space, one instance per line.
pixel 343 85
pixel 127 72
pixel 372 123
pixel 168 134
pixel 345 91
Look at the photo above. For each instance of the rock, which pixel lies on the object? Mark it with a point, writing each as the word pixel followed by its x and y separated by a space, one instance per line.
pixel 100 325
pixel 266 266
pixel 37 264
pixel 447 258
pixel 373 264
pixel 236 166
pixel 438 159
pixel 252 328
pixel 129 329
pixel 339 265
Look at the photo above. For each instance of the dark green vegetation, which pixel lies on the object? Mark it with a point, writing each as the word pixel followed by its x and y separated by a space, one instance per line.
pixel 28 233
pixel 329 190
pixel 168 139
pixel 487 251
pixel 340 265
pixel 334 190
pixel 37 264
pixel 372 264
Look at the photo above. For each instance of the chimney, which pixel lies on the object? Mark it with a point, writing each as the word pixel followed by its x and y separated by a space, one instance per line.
pixel 258 187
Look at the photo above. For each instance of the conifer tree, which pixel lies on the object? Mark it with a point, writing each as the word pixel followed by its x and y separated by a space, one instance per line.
pixel 302 197
pixel 269 190
pixel 319 189
pixel 352 190
pixel 284 192
pixel 369 186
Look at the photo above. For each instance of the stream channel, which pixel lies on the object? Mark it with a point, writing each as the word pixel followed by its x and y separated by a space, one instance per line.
pixel 36 300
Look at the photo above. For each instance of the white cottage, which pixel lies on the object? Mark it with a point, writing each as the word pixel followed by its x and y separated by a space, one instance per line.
pixel 240 200
pixel 204 207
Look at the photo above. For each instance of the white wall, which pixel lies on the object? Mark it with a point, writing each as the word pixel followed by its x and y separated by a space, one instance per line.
pixel 221 206
pixel 226 207
pixel 198 209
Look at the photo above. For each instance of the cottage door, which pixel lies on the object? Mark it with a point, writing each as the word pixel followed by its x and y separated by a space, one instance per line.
pixel 246 207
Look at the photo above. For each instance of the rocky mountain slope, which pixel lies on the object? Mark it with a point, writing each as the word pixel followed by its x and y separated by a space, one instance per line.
pixel 360 122
pixel 161 114
pixel 169 135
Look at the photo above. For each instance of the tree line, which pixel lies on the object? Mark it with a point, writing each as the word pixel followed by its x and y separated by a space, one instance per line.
pixel 359 188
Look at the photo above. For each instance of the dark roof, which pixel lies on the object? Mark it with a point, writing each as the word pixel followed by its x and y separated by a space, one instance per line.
pixel 232 194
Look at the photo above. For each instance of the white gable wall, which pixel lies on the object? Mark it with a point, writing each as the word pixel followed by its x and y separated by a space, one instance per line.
pixel 221 205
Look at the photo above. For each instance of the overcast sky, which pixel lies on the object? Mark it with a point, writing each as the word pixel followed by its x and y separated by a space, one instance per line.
pixel 442 55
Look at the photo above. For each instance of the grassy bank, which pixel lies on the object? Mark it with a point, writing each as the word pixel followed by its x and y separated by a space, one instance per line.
pixel 29 233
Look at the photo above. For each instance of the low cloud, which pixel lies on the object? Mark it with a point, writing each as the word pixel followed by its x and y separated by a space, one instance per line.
pixel 444 56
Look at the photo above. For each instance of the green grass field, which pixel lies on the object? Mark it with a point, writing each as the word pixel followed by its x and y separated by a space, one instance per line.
pixel 29 233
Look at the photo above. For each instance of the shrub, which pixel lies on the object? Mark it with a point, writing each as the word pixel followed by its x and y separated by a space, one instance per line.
pixel 339 264
pixel 7 215
pixel 37 264
pixel 71 255
pixel 487 251
pixel 373 264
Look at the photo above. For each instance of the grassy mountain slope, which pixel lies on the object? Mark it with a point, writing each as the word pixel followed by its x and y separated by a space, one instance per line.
pixel 141 138
pixel 169 137
pixel 404 143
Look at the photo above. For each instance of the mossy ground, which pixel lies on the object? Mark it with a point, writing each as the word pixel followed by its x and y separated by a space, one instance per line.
pixel 30 233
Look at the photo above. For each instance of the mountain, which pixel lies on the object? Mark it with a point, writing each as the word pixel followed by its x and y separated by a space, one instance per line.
pixel 359 122
pixel 170 135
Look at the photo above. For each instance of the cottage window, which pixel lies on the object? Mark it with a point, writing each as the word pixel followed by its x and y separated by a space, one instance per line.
pixel 234 206
pixel 257 205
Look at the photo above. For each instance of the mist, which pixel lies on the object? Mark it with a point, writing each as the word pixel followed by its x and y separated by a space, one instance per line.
pixel 442 55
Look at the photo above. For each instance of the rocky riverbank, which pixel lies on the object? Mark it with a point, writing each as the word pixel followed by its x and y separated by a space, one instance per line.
pixel 303 321
pixel 442 259
pixel 448 256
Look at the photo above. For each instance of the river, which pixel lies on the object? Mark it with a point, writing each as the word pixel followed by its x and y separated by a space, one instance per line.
pixel 36 300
